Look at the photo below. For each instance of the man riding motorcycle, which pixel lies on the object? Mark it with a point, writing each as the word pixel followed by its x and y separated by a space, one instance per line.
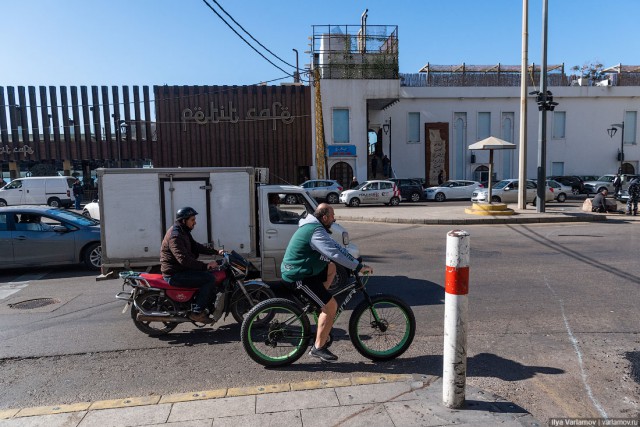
pixel 180 266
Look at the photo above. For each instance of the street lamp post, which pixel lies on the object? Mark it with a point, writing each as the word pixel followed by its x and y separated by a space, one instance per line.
pixel 612 131
pixel 387 130
pixel 120 125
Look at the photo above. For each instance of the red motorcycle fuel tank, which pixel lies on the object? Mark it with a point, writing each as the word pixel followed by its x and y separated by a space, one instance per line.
pixel 175 293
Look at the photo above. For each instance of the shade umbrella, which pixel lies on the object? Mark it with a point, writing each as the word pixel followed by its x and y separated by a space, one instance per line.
pixel 492 143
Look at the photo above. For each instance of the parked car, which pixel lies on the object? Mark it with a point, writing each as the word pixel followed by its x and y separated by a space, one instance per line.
pixel 409 189
pixel 586 178
pixel 560 191
pixel 575 182
pixel 422 181
pixel 372 192
pixel 456 189
pixel 506 191
pixel 92 210
pixel 33 236
pixel 321 189
pixel 43 190
pixel 606 181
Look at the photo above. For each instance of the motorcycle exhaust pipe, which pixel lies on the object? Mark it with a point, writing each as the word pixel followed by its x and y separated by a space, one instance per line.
pixel 161 318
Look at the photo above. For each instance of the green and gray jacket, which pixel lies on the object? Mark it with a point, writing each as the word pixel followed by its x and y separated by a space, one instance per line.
pixel 310 250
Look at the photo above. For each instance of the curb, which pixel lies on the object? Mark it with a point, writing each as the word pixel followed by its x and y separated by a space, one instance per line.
pixel 204 395
pixel 513 219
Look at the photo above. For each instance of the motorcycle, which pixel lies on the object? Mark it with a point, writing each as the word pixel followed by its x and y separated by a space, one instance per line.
pixel 157 307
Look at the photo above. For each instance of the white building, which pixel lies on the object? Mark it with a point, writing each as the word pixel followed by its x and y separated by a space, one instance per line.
pixel 432 117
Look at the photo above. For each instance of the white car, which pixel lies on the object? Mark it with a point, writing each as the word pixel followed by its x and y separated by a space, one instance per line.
pixel 560 191
pixel 456 189
pixel 372 192
pixel 92 210
pixel 506 191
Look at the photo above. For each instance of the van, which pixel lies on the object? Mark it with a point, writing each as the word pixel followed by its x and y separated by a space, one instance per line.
pixel 54 191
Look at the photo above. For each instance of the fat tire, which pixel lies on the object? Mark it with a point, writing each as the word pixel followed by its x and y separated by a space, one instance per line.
pixel 363 310
pixel 240 306
pixel 144 326
pixel 252 321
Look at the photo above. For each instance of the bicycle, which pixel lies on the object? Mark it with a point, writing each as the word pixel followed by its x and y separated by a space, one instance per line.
pixel 276 332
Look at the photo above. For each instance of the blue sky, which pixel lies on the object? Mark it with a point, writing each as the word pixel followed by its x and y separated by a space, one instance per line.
pixel 147 42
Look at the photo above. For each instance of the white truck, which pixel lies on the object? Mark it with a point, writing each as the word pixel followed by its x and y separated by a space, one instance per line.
pixel 137 206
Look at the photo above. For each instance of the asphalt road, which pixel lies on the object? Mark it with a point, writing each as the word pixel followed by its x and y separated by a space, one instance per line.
pixel 554 325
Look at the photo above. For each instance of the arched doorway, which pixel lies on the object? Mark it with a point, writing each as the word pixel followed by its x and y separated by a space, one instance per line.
pixel 342 173
pixel 627 168
pixel 481 174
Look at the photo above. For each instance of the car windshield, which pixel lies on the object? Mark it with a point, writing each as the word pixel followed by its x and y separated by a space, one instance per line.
pixel 501 184
pixel 71 217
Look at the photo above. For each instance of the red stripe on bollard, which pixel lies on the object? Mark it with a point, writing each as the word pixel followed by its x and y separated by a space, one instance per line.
pixel 456 280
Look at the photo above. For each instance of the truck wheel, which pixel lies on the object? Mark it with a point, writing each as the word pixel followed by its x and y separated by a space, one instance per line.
pixel 332 198
pixel 3 203
pixel 54 202
pixel 355 202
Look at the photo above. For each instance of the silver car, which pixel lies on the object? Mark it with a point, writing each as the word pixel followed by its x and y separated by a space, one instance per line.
pixel 322 189
pixel 33 236
pixel 456 189
pixel 506 191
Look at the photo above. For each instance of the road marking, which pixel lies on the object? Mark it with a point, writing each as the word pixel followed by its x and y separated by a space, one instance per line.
pixel 19 283
pixel 574 342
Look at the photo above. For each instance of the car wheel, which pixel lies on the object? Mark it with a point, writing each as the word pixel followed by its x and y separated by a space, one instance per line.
pixel 562 197
pixel 496 199
pixel 332 198
pixel 54 202
pixel 291 199
pixel 575 191
pixel 3 203
pixel 440 197
pixel 355 202
pixel 93 256
pixel 415 197
pixel 394 201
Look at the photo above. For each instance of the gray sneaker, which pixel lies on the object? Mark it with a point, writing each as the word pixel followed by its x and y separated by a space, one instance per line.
pixel 323 354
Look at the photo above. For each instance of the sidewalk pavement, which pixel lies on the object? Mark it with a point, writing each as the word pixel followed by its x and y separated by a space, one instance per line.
pixel 435 213
pixel 386 400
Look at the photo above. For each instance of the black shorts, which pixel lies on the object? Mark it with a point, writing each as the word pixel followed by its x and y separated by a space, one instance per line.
pixel 313 288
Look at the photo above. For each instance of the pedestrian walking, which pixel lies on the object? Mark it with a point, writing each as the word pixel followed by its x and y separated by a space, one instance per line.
pixel 617 184
pixel 77 193
pixel 441 177
pixel 634 195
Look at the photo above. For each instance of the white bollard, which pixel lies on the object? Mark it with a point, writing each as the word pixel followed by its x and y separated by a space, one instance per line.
pixel 456 288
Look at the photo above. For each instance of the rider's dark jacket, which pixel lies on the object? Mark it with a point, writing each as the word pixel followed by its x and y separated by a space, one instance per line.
pixel 179 251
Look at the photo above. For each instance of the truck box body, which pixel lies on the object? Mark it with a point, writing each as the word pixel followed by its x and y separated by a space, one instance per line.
pixel 137 207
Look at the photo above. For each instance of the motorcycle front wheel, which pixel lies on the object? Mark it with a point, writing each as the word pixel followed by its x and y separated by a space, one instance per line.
pixel 383 330
pixel 275 332
pixel 155 302
pixel 240 305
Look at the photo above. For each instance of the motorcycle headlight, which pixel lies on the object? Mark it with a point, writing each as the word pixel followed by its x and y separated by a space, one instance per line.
pixel 345 238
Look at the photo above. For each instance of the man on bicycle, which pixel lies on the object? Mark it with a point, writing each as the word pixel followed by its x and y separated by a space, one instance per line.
pixel 308 265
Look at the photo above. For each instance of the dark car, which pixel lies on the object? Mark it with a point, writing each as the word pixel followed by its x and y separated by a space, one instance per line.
pixel 410 189
pixel 33 236
pixel 575 182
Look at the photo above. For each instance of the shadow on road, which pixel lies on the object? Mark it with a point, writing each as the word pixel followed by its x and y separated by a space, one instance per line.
pixel 491 365
pixel 634 358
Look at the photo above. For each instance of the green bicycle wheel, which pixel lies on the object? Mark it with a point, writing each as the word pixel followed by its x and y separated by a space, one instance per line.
pixel 383 330
pixel 281 339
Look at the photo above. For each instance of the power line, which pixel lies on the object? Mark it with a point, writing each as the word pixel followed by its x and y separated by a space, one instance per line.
pixel 254 39
pixel 245 40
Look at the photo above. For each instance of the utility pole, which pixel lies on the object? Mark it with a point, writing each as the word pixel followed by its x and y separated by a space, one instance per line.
pixel 522 171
